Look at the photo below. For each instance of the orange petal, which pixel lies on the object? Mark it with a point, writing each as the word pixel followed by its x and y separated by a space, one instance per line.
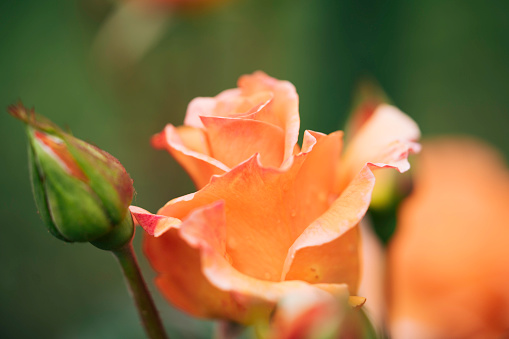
pixel 196 276
pixel 312 191
pixel 283 109
pixel 267 208
pixel 327 251
pixel 233 141
pixel 179 265
pixel 189 147
pixel 387 137
pixel 229 103
pixel 200 107
pixel 449 258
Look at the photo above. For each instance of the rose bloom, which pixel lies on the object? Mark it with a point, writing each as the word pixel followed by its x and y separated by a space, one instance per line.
pixel 271 218
pixel 449 258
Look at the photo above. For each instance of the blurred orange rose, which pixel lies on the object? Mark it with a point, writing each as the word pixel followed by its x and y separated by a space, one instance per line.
pixel 449 259
pixel 278 218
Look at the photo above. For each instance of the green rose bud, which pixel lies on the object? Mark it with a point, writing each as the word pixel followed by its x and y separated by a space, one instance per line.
pixel 82 193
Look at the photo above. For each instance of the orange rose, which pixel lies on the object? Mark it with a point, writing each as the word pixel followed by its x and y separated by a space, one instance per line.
pixel 275 221
pixel 449 259
pixel 261 116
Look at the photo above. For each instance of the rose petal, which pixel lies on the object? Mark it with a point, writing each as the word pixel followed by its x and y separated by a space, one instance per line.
pixel 229 103
pixel 267 209
pixel 153 224
pixel 387 137
pixel 312 189
pixel 205 284
pixel 307 313
pixel 188 146
pixel 283 110
pixel 201 106
pixel 233 141
pixel 328 249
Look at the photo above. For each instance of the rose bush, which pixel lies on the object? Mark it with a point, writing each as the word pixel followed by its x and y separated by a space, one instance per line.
pixel 449 259
pixel 276 217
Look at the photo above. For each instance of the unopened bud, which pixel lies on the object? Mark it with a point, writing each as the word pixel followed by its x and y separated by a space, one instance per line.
pixel 82 193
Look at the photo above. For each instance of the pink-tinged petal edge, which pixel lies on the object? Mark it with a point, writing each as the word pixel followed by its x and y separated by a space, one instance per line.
pixel 385 139
pixel 153 224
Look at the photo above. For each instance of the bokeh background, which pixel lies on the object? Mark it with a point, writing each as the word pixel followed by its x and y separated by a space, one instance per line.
pixel 445 63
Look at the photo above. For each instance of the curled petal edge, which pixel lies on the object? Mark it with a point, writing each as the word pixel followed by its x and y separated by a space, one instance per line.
pixel 170 133
pixel 387 137
pixel 343 215
pixel 199 166
pixel 251 136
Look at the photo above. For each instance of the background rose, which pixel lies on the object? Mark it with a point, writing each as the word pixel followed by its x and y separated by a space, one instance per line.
pixel 449 260
pixel 255 233
pixel 260 116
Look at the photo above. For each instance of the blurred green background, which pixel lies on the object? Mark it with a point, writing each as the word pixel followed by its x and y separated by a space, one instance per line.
pixel 445 63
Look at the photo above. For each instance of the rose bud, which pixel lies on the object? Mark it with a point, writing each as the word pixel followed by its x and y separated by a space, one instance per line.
pixel 82 193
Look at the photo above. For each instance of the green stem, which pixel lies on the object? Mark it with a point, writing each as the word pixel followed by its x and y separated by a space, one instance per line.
pixel 138 289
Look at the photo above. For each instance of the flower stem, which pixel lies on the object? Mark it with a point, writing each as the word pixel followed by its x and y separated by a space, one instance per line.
pixel 138 289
